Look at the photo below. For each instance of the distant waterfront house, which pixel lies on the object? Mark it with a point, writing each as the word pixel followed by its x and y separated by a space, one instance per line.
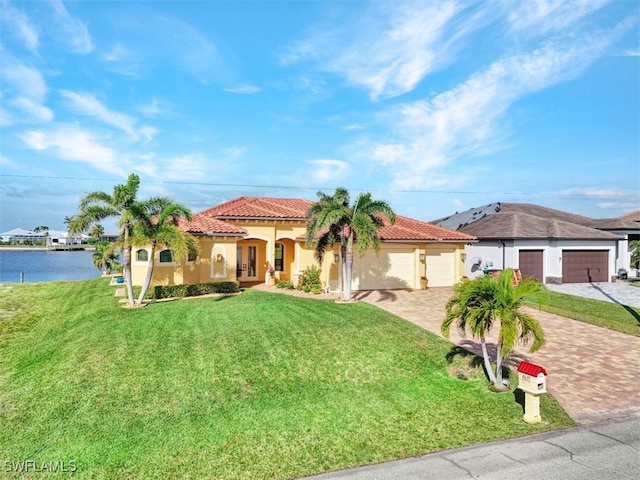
pixel 47 237
pixel 245 238
pixel 551 245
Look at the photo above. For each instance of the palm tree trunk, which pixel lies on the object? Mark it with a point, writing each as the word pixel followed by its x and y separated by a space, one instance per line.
pixel 487 362
pixel 499 365
pixel 126 254
pixel 149 275
pixel 347 275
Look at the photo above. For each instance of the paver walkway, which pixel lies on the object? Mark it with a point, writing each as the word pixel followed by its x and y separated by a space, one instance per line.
pixel 593 372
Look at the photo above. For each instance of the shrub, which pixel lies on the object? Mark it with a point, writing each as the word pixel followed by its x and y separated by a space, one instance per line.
pixel 192 290
pixel 285 284
pixel 310 280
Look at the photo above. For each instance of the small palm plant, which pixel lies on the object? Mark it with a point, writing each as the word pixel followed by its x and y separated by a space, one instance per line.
pixel 105 257
pixel 478 304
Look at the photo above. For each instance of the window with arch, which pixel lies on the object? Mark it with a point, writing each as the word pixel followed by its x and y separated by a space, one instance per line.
pixel 166 256
pixel 278 258
pixel 142 256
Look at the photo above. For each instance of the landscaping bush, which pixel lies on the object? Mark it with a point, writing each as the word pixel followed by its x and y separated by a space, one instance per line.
pixel 310 280
pixel 285 284
pixel 194 289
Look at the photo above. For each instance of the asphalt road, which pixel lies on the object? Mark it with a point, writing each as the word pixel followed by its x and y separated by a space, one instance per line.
pixel 596 452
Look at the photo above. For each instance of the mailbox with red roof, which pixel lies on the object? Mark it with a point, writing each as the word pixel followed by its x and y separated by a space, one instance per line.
pixel 532 378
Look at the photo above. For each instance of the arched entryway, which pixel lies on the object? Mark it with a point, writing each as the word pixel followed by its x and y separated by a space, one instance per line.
pixel 251 260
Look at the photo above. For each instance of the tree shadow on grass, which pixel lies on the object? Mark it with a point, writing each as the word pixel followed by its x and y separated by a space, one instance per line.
pixel 472 352
pixel 518 396
pixel 634 313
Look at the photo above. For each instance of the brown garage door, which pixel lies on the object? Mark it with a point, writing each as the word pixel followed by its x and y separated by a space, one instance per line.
pixel 530 263
pixel 583 266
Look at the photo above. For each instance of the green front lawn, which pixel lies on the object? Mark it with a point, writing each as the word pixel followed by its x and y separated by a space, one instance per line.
pixel 257 385
pixel 613 316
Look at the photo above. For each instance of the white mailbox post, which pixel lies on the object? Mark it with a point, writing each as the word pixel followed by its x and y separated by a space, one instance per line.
pixel 532 380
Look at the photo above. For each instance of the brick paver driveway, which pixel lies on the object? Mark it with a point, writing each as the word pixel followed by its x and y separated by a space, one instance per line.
pixel 593 372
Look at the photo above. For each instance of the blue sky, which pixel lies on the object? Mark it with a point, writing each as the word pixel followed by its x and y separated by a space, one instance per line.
pixel 434 106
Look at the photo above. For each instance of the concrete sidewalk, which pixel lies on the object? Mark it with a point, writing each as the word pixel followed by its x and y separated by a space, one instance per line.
pixel 593 371
pixel 595 452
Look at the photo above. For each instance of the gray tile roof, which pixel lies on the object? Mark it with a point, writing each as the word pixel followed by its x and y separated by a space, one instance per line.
pixel 525 220
pixel 514 225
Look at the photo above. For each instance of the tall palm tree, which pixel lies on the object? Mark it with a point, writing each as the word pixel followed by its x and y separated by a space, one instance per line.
pixel 332 219
pixel 477 304
pixel 159 227
pixel 96 206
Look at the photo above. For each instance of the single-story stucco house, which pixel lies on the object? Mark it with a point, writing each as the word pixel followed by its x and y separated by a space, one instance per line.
pixel 242 238
pixel 551 245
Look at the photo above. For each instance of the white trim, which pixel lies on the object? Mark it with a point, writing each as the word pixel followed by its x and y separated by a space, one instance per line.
pixel 215 250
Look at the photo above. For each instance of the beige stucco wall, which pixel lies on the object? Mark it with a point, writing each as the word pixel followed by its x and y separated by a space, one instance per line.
pixel 217 260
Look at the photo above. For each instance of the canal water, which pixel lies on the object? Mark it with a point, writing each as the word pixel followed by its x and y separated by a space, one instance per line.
pixel 46 266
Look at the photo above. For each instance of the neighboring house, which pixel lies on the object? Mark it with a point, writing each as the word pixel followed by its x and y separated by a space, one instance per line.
pixel 48 237
pixel 551 245
pixel 241 239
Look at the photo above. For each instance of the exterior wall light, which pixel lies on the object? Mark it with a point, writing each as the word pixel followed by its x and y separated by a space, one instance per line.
pixel 422 257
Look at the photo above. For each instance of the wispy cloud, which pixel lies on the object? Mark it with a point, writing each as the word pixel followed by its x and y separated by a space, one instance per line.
pixel 466 120
pixel 327 170
pixel 69 29
pixel 160 39
pixel 243 89
pixel 543 16
pixel 17 22
pixel 75 144
pixel 88 104
pixel 403 41
pixel 36 111
pixel 5 162
pixel 24 89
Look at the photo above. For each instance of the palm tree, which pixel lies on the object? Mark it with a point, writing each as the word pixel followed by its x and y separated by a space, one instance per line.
pixel 477 304
pixel 159 227
pixel 97 206
pixel 97 231
pixel 105 258
pixel 332 219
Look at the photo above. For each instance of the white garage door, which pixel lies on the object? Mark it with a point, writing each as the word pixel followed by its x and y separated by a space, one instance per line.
pixel 387 270
pixel 440 267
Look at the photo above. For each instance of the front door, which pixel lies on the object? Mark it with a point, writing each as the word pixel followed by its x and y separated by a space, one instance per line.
pixel 246 263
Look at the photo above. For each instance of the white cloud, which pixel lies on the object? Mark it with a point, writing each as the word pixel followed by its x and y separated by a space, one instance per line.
pixel 152 109
pixel 544 16
pixel 183 167
pixel 21 25
pixel 5 162
pixel 389 49
pixel 325 170
pixel 25 81
pixel 88 104
pixel 626 206
pixel 70 30
pixel 243 89
pixel 466 120
pixel 34 110
pixel 74 144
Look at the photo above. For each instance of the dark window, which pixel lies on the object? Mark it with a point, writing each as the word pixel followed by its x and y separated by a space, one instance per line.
pixel 278 263
pixel 166 256
pixel 142 256
pixel 191 257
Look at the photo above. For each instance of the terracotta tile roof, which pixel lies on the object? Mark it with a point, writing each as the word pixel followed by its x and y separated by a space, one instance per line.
pixel 509 225
pixel 410 229
pixel 261 208
pixel 205 224
pixel 213 219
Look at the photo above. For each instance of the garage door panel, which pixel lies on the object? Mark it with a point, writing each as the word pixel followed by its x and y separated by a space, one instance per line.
pixel 440 268
pixel 585 266
pixel 530 263
pixel 387 270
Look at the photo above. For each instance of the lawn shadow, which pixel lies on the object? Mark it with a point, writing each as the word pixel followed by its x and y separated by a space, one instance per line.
pixel 468 348
pixel 518 396
pixel 629 309
pixel 385 295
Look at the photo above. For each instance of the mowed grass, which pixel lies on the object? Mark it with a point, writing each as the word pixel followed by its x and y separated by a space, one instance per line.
pixel 621 318
pixel 257 385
